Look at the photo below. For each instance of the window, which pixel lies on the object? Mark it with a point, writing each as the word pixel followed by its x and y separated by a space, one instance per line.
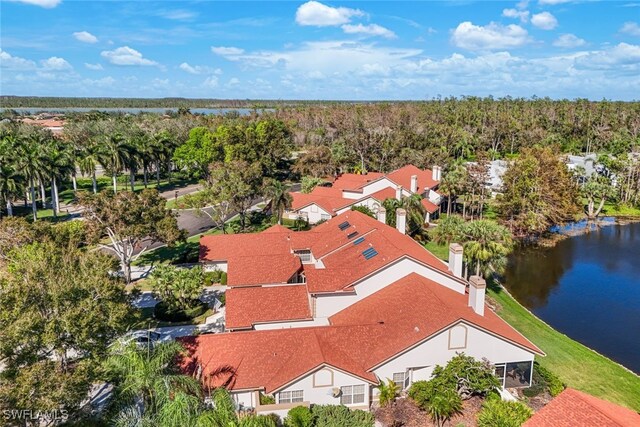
pixel 499 373
pixel 290 396
pixel 518 374
pixel 399 378
pixel 352 394
pixel 304 255
pixel 325 217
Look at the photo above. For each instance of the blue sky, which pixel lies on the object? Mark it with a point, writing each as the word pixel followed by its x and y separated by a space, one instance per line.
pixel 321 50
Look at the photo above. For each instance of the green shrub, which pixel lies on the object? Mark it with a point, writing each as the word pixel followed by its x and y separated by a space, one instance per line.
pixel 222 298
pixel 554 384
pixel 364 209
pixel 388 392
pixel 163 312
pixel 215 277
pixel 267 399
pixel 341 416
pixel 300 416
pixel 500 413
pixel 422 392
pixel 223 279
pixel 443 406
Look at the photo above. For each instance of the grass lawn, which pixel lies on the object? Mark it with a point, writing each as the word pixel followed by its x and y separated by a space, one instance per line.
pixel 147 320
pixel 20 210
pixel 577 366
pixel 178 254
pixel 610 209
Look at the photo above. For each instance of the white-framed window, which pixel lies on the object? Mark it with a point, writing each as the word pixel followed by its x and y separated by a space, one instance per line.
pixel 291 396
pixel 399 378
pixel 352 394
pixel 304 255
pixel 325 217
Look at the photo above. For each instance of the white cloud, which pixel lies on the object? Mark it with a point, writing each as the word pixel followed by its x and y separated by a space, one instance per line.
pixel 47 4
pixel 522 15
pixel 552 2
pixel 227 51
pixel 126 56
pixel 369 30
pixel 15 62
pixel 490 37
pixel 569 41
pixel 198 69
pixel 211 82
pixel 319 15
pixel 103 82
pixel 85 37
pixel 233 81
pixel 55 63
pixel 622 57
pixel 631 28
pixel 177 14
pixel 544 21
pixel 94 67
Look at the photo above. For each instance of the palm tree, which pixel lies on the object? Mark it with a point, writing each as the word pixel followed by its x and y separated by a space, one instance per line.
pixel 415 213
pixel 89 158
pixel 31 162
pixel 452 184
pixel 280 198
pixel 443 406
pixel 388 392
pixel 58 164
pixel 115 156
pixel 149 390
pixel 487 246
pixel 11 180
pixel 224 414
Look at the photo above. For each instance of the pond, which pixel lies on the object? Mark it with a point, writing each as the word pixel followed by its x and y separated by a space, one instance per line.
pixel 587 287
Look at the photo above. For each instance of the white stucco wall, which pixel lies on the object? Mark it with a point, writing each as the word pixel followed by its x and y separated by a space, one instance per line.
pixel 328 305
pixel 372 204
pixel 320 393
pixel 381 185
pixel 244 398
pixel 214 265
pixel 314 213
pixel 421 359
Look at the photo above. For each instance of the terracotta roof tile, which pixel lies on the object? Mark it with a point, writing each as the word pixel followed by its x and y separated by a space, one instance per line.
pixel 574 408
pixel 247 306
pixel 403 176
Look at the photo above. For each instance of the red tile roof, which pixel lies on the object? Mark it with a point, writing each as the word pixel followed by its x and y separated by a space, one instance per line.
pixel 403 176
pixel 359 338
pixel 351 181
pixel 266 258
pixel 430 207
pixel 327 203
pixel 247 306
pixel 574 408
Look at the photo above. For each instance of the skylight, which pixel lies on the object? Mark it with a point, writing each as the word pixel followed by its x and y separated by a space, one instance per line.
pixel 352 235
pixel 344 225
pixel 358 240
pixel 369 253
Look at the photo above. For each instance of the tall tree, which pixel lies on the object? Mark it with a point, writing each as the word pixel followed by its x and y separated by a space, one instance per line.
pixel 278 196
pixel 486 247
pixel 132 222
pixel 61 309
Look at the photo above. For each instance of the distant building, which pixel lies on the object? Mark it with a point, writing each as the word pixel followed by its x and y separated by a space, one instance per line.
pixel 370 190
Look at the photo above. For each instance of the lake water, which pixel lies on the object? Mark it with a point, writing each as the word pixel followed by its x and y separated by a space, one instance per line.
pixel 216 111
pixel 587 287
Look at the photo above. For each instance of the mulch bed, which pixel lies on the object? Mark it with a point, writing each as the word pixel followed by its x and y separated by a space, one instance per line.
pixel 405 413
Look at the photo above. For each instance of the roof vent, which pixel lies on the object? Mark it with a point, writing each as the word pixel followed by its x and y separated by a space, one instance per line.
pixel 351 235
pixel 344 226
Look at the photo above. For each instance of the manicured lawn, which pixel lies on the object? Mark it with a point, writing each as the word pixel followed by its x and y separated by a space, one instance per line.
pixel 147 320
pixel 181 253
pixel 47 214
pixel 578 366
pixel 613 210
pixel 441 251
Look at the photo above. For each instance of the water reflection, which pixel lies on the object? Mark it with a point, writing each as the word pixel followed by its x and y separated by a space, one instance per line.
pixel 588 287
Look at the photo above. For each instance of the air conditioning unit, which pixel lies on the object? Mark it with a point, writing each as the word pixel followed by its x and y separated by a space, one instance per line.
pixel 336 392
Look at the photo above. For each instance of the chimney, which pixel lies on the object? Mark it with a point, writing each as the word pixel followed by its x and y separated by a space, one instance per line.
pixel 401 220
pixel 455 259
pixel 399 192
pixel 477 287
pixel 382 215
pixel 414 184
pixel 434 172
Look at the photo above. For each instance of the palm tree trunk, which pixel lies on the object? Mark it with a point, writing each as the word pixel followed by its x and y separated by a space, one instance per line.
pixel 9 208
pixel 56 197
pixel 94 182
pixel 115 185
pixel 132 179
pixel 43 194
pixel 53 201
pixel 158 173
pixel 34 209
pixel 145 175
pixel 75 183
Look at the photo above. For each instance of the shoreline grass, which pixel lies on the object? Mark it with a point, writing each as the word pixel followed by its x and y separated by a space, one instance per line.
pixel 575 364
